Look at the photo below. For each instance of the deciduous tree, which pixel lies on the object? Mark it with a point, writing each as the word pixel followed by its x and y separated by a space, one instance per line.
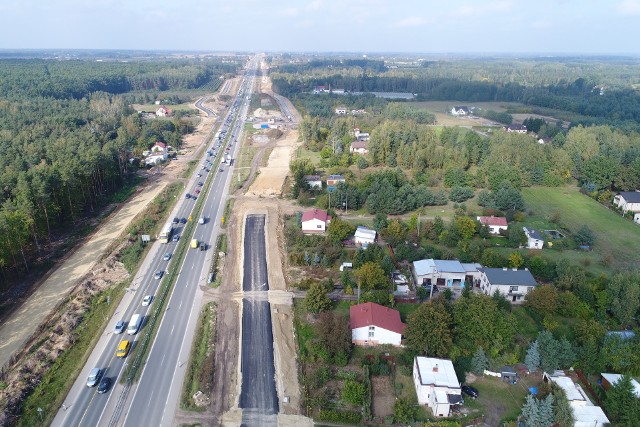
pixel 429 329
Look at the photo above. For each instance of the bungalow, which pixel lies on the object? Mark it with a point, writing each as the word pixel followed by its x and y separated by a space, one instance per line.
pixel 364 236
pixel 585 413
pixel 359 147
pixel 436 384
pixel 341 111
pixel 516 128
pixel 628 201
pixel 315 221
pixel 334 180
pixel 163 111
pixel 313 181
pixel 450 274
pixel 460 110
pixel 374 324
pixel 514 284
pixel 159 147
pixel 534 239
pixel 495 223
pixel 610 379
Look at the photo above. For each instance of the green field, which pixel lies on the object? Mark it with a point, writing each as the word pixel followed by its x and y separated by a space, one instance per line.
pixel 617 239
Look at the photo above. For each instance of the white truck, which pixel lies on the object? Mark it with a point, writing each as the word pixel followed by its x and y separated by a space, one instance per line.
pixel 134 324
pixel 229 159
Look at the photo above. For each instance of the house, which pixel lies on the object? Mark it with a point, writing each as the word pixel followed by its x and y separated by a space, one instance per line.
pixel 334 180
pixel 374 324
pixel 545 140
pixel 359 147
pixel 315 221
pixel 363 136
pixel 516 128
pixel 436 384
pixel 585 413
pixel 628 201
pixel 495 223
pixel 364 236
pixel 341 111
pixel 610 379
pixel 460 110
pixel 159 147
pixel 514 284
pixel 320 89
pixel 444 274
pixel 534 239
pixel 155 160
pixel 401 283
pixel 163 111
pixel 313 181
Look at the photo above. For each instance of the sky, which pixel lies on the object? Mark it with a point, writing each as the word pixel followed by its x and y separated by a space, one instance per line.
pixel 610 27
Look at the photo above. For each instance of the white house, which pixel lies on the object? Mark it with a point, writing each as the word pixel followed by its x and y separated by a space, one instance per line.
pixel 460 110
pixel 359 147
pixel 364 236
pixel 628 201
pixel 363 136
pixel 514 284
pixel 495 223
pixel 333 180
pixel 155 159
pixel 341 111
pixel 517 128
pixel 163 111
pixel 374 324
pixel 585 413
pixel 313 181
pixel 444 274
pixel 534 239
pixel 436 384
pixel 315 221
pixel 159 147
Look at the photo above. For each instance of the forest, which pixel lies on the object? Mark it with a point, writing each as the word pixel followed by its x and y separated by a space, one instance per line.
pixel 67 134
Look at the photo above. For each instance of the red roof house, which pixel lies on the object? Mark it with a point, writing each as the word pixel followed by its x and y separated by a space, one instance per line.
pixel 159 146
pixel 315 221
pixel 374 324
pixel 495 223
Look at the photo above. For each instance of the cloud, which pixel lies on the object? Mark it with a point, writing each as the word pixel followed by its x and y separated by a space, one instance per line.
pixel 629 7
pixel 412 21
pixel 476 10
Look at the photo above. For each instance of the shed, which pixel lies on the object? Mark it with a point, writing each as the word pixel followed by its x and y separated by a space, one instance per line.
pixel 509 374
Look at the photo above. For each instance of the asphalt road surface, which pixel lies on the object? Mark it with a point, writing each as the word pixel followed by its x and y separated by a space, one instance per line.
pixel 153 400
pixel 258 396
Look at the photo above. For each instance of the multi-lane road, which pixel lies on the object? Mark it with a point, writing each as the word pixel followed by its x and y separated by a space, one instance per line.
pixel 152 400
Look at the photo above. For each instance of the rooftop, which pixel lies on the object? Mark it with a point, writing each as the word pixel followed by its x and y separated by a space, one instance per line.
pixel 505 276
pixel 315 214
pixel 434 266
pixel 493 220
pixel 630 196
pixel 438 372
pixel 614 378
pixel 372 314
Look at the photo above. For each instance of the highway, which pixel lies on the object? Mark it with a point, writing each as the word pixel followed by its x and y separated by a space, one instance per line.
pixel 258 396
pixel 153 400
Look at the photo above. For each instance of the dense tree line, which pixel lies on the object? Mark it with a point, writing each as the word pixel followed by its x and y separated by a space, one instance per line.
pixel 65 147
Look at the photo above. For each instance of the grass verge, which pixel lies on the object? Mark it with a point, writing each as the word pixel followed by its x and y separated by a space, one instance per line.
pixel 200 369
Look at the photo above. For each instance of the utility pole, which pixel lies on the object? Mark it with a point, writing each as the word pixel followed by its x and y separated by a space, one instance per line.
pixel 435 274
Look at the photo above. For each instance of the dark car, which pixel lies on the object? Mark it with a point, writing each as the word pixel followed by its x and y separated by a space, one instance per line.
pixel 183 220
pixel 200 184
pixel 176 220
pixel 187 196
pixel 104 385
pixel 469 391
pixel 158 274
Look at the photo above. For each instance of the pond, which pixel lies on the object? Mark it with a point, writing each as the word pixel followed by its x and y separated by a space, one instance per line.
pixel 555 234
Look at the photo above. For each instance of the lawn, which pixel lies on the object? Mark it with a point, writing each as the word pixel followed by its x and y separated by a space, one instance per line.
pixel 617 239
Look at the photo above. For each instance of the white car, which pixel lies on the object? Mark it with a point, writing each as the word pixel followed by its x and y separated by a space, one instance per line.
pixel 147 300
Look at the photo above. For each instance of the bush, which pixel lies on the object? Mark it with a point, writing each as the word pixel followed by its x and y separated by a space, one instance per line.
pixel 339 416
pixel 353 392
pixel 461 194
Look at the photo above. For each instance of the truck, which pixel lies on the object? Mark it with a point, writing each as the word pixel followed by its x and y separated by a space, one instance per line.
pixel 134 324
pixel 165 234
pixel 194 243
pixel 229 159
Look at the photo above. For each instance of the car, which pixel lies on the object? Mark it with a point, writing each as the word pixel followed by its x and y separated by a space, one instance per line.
pixel 200 184
pixel 94 377
pixel 199 175
pixel 221 170
pixel 123 348
pixel 176 238
pixel 120 327
pixel 187 196
pixel 158 274
pixel 147 300
pixel 197 191
pixel 183 220
pixel 167 256
pixel 176 220
pixel 470 391
pixel 104 385
pixel 195 197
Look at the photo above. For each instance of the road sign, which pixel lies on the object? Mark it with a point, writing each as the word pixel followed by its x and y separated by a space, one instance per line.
pixel 331 188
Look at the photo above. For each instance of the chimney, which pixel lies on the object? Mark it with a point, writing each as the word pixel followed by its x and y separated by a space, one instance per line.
pixel 435 368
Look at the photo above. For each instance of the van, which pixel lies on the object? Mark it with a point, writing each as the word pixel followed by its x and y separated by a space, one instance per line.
pixel 123 348
pixel 201 220
pixel 94 377
pixel 134 324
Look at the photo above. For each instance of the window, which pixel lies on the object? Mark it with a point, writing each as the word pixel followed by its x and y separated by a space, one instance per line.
pixel 319 226
pixel 372 331
pixel 513 289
